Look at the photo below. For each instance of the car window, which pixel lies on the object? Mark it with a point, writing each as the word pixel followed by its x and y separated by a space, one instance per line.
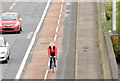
pixel 9 17
pixel 1 43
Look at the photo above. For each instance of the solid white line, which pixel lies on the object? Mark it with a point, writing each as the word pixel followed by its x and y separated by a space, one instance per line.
pixel 32 42
pixel 61 10
pixel 29 35
pixel 57 28
pixel 58 22
pixel 45 75
pixel 12 5
pixel 60 16
pixel 55 37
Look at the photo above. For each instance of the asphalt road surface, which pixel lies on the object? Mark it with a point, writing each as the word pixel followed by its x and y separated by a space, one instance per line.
pixel 30 12
pixel 66 61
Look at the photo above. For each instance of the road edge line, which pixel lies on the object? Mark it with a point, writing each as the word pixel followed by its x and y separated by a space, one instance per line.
pixel 76 61
pixel 18 75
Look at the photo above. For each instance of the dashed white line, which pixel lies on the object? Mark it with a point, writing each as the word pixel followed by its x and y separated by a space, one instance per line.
pixel 60 16
pixel 29 35
pixel 61 5
pixel 61 10
pixel 46 75
pixel 57 28
pixel 55 37
pixel 12 5
pixel 32 42
pixel 58 22
pixel 62 1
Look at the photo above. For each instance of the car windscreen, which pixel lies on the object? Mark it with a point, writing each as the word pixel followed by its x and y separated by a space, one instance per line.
pixel 1 43
pixel 9 17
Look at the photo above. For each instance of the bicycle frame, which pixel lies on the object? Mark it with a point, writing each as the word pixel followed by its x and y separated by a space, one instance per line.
pixel 52 64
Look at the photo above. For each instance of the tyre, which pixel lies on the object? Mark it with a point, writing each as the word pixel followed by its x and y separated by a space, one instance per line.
pixel 52 65
pixel 53 69
pixel 8 58
pixel 20 29
pixel 6 61
pixel 18 32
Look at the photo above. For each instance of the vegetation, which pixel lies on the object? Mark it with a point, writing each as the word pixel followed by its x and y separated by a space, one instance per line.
pixel 107 24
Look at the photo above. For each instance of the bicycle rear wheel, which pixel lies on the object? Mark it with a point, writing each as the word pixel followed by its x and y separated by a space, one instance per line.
pixel 52 65
pixel 53 69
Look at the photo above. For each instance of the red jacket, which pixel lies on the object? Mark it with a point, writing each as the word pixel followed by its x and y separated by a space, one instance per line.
pixel 54 51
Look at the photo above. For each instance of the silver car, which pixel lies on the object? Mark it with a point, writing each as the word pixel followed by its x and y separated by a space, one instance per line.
pixel 4 50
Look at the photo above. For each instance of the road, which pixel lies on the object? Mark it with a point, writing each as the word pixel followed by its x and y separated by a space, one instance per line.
pixel 66 62
pixel 31 13
pixel 87 52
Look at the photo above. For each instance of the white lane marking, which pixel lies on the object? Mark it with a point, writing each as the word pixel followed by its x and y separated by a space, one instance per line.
pixel 55 37
pixel 30 35
pixel 62 1
pixel 12 5
pixel 57 28
pixel 58 22
pixel 54 40
pixel 46 75
pixel 61 10
pixel 61 5
pixel 32 42
pixel 60 16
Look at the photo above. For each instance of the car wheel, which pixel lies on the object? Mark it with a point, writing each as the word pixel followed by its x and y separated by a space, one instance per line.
pixel 6 61
pixel 20 28
pixel 8 58
pixel 18 32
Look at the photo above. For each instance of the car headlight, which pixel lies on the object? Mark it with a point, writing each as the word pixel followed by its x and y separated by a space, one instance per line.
pixel 0 24
pixel 17 24
pixel 2 52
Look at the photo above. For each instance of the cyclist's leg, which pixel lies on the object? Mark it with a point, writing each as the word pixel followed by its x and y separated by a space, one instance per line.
pixel 54 62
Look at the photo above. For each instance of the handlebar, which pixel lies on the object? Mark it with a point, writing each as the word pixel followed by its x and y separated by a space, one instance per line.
pixel 54 57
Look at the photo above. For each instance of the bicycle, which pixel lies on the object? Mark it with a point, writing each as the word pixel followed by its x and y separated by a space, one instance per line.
pixel 52 64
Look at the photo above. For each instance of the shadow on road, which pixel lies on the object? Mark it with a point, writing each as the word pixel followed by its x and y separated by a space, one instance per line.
pixel 3 62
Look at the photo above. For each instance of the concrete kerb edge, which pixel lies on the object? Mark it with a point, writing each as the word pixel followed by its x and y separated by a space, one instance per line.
pixel 113 71
pixel 76 57
pixel 111 54
pixel 106 73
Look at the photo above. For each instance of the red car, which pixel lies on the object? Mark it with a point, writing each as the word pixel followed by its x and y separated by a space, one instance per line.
pixel 10 22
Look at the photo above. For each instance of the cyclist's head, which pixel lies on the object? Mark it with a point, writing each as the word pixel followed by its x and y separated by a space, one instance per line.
pixel 51 44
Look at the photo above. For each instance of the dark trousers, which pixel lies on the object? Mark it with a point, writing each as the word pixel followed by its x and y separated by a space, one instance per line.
pixel 51 62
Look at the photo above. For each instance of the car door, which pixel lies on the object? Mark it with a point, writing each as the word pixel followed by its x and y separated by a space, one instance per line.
pixel 6 45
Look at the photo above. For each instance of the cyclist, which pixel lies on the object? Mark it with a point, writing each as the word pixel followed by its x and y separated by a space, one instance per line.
pixel 52 51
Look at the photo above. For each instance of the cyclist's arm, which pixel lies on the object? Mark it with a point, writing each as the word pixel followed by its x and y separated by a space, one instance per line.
pixel 55 51
pixel 49 52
